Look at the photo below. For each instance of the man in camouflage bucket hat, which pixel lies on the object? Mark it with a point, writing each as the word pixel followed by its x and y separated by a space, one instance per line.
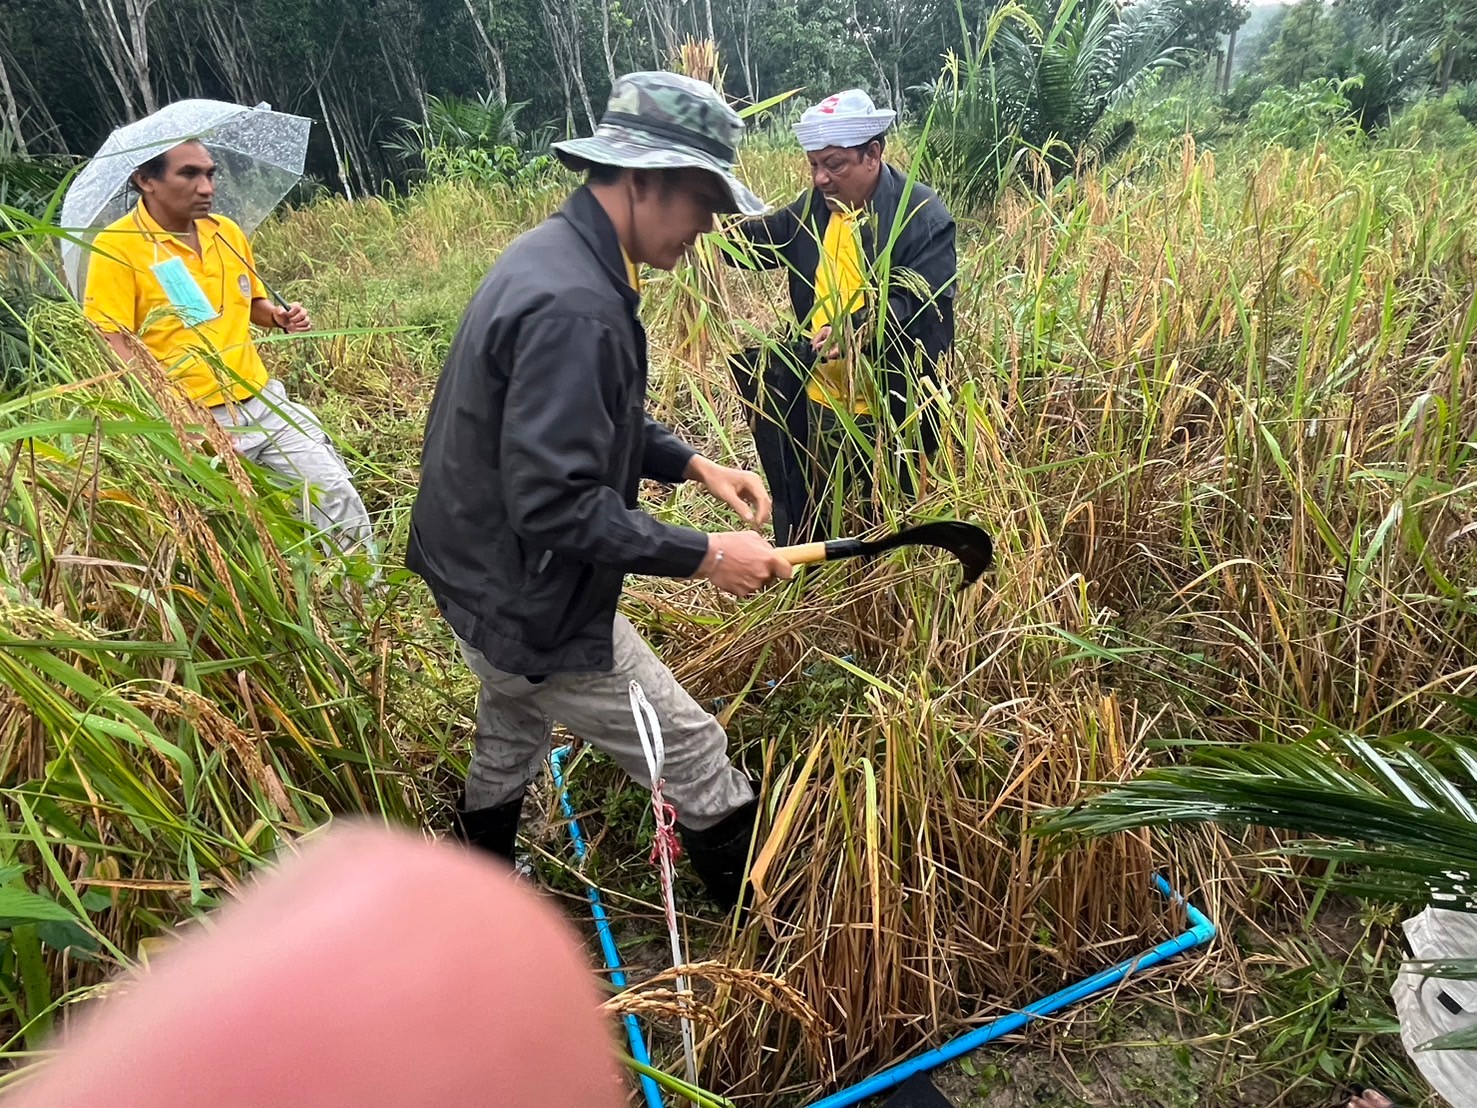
pixel 527 520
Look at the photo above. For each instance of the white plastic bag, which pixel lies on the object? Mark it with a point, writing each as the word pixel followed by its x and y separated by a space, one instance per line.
pixel 1430 1006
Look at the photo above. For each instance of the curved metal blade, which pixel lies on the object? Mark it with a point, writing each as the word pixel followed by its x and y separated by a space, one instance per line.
pixel 969 543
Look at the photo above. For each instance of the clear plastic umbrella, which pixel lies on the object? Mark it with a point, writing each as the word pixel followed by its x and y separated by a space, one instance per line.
pixel 258 152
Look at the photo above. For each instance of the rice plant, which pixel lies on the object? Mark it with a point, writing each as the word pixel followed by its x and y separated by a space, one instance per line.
pixel 1215 408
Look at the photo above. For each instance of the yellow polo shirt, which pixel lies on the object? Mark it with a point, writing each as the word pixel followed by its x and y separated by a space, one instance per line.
pixel 213 361
pixel 838 293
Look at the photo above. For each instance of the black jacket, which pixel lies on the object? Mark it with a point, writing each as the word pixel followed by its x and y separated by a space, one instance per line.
pixel 526 522
pixel 924 246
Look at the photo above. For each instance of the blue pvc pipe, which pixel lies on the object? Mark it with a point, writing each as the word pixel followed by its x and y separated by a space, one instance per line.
pixel 1201 931
pixel 639 1052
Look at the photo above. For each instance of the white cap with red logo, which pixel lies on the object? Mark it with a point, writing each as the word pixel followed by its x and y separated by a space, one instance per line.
pixel 847 119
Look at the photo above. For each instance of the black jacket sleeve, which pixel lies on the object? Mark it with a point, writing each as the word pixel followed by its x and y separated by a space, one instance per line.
pixel 559 427
pixel 923 273
pixel 919 323
pixel 769 237
pixel 666 455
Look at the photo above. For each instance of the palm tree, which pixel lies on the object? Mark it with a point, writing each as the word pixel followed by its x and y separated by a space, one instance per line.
pixel 473 121
pixel 1043 82
pixel 477 135
pixel 1385 78
pixel 1451 28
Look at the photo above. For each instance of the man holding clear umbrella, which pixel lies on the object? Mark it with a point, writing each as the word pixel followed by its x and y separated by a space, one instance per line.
pixel 182 279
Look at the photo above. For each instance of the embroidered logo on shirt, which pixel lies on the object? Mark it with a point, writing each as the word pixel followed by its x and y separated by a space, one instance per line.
pixel 244 283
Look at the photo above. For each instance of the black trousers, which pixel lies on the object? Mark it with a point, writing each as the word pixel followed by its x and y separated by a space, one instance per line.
pixel 812 462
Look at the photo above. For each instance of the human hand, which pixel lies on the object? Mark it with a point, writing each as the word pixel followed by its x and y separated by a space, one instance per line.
pixel 741 490
pixel 821 340
pixel 741 563
pixel 292 319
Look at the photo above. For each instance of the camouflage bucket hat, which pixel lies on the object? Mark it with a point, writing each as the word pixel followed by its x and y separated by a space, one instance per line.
pixel 659 120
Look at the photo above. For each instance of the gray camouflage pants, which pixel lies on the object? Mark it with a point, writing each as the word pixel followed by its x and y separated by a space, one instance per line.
pixel 515 719
pixel 287 438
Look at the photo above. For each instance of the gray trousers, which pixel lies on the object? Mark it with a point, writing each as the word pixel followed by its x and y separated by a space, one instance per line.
pixel 516 716
pixel 287 438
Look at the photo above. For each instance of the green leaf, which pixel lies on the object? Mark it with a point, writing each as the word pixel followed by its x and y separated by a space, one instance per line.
pixel 1447 969
pixel 764 105
pixel 1464 1039
pixel 1405 831
pixel 20 906
pixel 66 935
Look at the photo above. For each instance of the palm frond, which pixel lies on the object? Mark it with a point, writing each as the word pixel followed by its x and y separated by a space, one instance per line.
pixel 28 182
pixel 1397 813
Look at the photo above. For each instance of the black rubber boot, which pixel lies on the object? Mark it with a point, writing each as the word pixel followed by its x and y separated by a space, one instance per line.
pixel 718 854
pixel 491 829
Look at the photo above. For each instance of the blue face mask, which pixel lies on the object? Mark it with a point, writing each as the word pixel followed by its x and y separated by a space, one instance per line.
pixel 184 292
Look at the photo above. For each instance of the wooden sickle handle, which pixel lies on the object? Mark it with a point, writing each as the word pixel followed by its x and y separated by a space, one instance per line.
pixel 827 551
pixel 804 554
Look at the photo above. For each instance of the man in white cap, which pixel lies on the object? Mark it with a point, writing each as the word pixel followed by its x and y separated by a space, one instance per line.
pixel 871 265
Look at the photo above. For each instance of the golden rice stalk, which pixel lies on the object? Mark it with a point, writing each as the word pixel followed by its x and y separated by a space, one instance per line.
pixel 661 1004
pixel 698 58
pixel 768 989
pixel 213 726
